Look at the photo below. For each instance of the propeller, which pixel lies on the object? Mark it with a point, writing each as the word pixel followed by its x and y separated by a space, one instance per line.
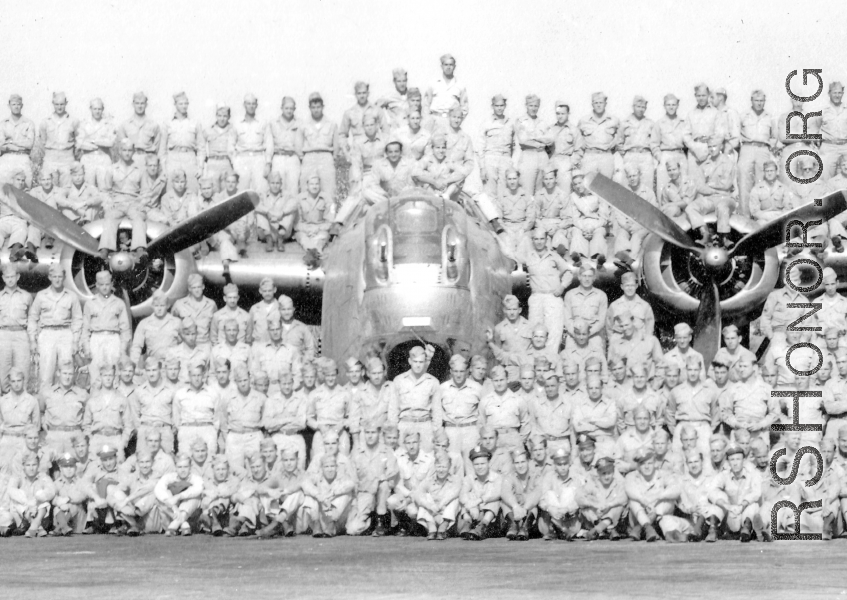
pixel 643 213
pixel 714 259
pixel 198 228
pixel 53 222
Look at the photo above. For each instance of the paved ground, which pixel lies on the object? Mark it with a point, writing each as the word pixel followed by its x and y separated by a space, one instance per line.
pixel 155 567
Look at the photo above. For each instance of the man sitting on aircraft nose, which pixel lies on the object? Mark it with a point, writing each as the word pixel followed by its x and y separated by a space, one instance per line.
pixel 13 226
pixel 123 183
pixel 629 234
pixel 716 192
pixel 389 176
pixel 769 199
pixel 589 215
pixel 679 190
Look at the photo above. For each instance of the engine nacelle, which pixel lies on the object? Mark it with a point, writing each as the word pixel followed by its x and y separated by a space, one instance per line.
pixel 169 275
pixel 674 275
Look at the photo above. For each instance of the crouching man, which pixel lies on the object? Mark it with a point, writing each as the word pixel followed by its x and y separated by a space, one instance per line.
pixel 331 494
pixel 738 491
pixel 437 498
pixel 652 495
pixel 376 473
pixel 179 496
pixel 289 516
pixel 135 500
pixel 479 501
pixel 602 500
pixel 559 515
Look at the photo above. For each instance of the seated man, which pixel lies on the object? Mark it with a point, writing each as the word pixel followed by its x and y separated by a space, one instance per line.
pixel 629 234
pixel 559 515
pixel 309 212
pixel 331 494
pixel 517 210
pixel 414 465
pixel 103 481
pixel 244 228
pixel 70 498
pixel 29 496
pixel 652 495
pixel 602 500
pixel 679 191
pixel 173 206
pixel 50 195
pixel 81 201
pixel 123 184
pixel 257 498
pixel 479 500
pixel 738 492
pixel 524 485
pixel 14 228
pixel 436 173
pixel 217 503
pixel 437 498
pixel 694 503
pixel 270 213
pixel 135 500
pixel 589 215
pixel 716 193
pixel 289 516
pixel 554 212
pixel 179 494
pixel 769 199
pixel 153 184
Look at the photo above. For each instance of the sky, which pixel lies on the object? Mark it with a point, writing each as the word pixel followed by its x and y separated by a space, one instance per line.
pixel 559 49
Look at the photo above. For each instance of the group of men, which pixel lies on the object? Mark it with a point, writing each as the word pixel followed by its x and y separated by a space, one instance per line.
pixel 522 172
pixel 199 423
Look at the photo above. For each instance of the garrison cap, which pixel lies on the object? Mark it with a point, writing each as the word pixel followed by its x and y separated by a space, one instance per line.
pixel 67 460
pixel 550 168
pixel 562 103
pixel 195 278
pixel 478 360
pixel 638 98
pixel 330 366
pixel 577 173
pixel 829 275
pixel 532 98
pixel 199 443
pixel 315 97
pixel 722 91
pixel 511 301
pixel 598 96
pixel 374 362
pixel 77 167
pixel 180 96
pixel 479 452
pixel 59 97
pixel 670 97
pixel 629 277
pixel 267 443
pixel 498 98
pixel 398 72
pixel 230 288
pixel 139 97
pixel 352 362
pixel 643 455
pixel 10 269
pixel 417 352
pixel 681 329
pixel 457 361
pixel 15 98
pixel 188 323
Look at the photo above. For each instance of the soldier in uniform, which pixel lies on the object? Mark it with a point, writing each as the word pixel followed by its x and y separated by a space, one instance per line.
pixel 497 142
pixel 319 141
pixel 241 414
pixel 183 146
pixel 415 405
pixel 776 314
pixel 533 135
pixel 602 500
pixel 589 215
pixel 652 495
pixel 559 515
pixel 105 327
pixel 643 319
pixel 568 147
pixel 96 138
pixel 629 234
pixel 517 210
pixel 599 130
pixel 15 346
pixel 395 104
pixel 250 147
pixel 716 192
pixel 833 130
pixel 108 418
pixel 196 410
pixel 57 136
pixel 694 502
pixel 553 210
pixel 330 492
pixel 738 491
pixel 666 142
pixel 285 150
pixel 694 403
pixel 179 494
pixel 758 141
pixel 588 303
pixel 123 183
pixel 29 496
pixel 769 199
pixel 220 146
pixel 17 138
pixel 144 133
pixel 679 191
pixel 18 411
pixel 634 137
pixel 445 92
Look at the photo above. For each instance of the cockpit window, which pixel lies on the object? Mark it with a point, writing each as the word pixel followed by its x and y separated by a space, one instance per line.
pixel 418 217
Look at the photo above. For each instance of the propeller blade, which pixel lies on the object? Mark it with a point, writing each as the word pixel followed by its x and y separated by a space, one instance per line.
pixel 52 222
pixel 773 233
pixel 207 223
pixel 125 298
pixel 707 327
pixel 638 209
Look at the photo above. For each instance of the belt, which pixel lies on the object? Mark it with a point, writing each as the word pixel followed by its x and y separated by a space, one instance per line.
pixel 197 424
pixel 143 151
pixel 155 424
pixel 64 150
pixel 460 425
pixel 317 151
pixel 218 157
pixel 182 149
pixel 529 149
pixel 637 150
pixel 62 428
pixel 55 327
pixel 109 331
pixel 597 151
pixel 250 152
pixel 14 433
pixel 246 430
pixel 13 328
pixel 95 151
pixel 759 144
pixel 284 152
pixel 416 420
pixel 17 152
pixel 108 431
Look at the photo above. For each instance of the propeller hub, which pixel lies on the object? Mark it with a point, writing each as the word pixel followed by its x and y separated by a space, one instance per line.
pixel 120 262
pixel 715 258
